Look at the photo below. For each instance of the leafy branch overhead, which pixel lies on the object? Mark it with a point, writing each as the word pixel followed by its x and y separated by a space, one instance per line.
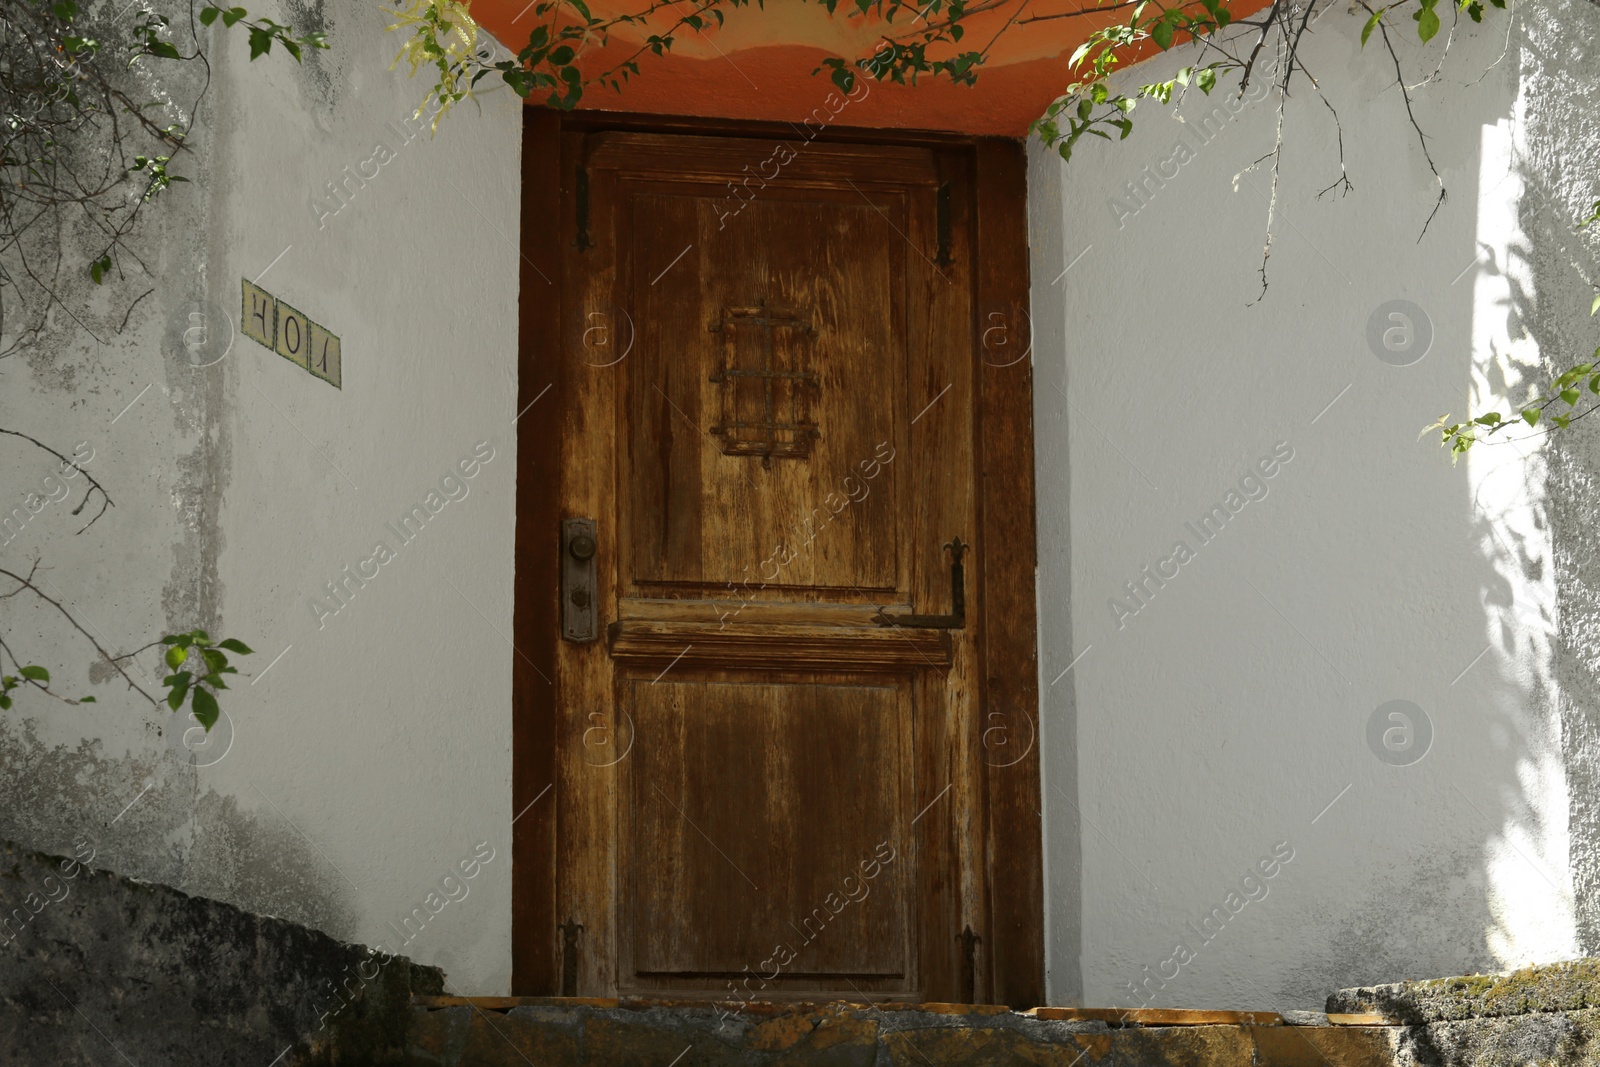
pixel 932 40
pixel 89 141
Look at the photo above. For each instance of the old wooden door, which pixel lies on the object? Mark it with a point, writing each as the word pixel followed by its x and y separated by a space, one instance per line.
pixel 768 767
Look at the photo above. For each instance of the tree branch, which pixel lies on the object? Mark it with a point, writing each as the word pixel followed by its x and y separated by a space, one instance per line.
pixel 105 497
pixel 26 582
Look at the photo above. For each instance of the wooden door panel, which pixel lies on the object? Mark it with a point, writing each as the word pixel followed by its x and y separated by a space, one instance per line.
pixel 770 382
pixel 797 367
pixel 819 512
pixel 758 810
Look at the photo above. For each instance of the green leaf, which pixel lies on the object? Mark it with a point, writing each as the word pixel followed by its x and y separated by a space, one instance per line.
pixel 1571 396
pixel 1594 308
pixel 175 657
pixel 1427 21
pixel 209 15
pixel 260 42
pixel 205 709
pixel 1491 418
pixel 234 645
pixel 1372 24
pixel 1562 420
pixel 100 268
pixel 1532 416
pixel 35 673
pixel 1161 34
pixel 175 698
pixel 5 702
pixel 86 700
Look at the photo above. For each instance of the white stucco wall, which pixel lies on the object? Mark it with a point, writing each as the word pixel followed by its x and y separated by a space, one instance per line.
pixel 374 755
pixel 1226 713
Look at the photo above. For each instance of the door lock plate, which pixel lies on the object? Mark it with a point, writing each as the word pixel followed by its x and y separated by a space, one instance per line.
pixel 579 611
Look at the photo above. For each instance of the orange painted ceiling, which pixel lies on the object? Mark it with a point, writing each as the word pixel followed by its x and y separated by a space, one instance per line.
pixel 759 65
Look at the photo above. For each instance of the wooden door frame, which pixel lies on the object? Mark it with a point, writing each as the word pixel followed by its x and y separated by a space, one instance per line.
pixel 1010 956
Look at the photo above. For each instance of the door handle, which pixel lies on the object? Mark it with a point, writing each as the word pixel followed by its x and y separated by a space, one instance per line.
pixel 579 611
pixel 957 619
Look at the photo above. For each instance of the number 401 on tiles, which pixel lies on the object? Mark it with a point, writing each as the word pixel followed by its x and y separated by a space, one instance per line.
pixel 275 325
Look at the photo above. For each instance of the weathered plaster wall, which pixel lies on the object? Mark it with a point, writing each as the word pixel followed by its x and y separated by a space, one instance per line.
pixel 374 755
pixel 1232 707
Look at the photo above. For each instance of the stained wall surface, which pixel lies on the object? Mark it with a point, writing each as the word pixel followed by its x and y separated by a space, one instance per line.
pixel 366 752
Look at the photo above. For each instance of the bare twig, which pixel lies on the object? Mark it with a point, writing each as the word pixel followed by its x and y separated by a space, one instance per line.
pixel 94 485
pixel 26 582
pixel 1411 115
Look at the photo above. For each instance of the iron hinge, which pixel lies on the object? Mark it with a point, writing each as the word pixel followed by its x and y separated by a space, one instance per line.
pixel 569 957
pixel 581 196
pixel 942 225
pixel 969 965
pixel 957 619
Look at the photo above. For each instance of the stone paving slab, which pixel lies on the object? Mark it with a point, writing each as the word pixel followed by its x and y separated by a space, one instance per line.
pixel 553 1033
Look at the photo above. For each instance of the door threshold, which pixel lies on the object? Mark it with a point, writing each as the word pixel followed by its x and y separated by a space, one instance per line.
pixel 752 1007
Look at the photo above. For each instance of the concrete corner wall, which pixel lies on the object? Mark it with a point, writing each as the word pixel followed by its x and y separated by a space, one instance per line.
pixel 1237 818
pixel 364 756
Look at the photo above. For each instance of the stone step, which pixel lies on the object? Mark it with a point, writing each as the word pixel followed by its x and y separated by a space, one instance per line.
pixel 556 1032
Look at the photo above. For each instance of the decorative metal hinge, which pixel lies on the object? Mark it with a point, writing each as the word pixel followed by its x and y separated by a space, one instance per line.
pixel 969 965
pixel 569 957
pixel 581 196
pixel 957 619
pixel 942 225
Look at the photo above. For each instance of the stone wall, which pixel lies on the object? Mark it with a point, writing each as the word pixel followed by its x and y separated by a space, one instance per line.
pixel 1537 1015
pixel 98 968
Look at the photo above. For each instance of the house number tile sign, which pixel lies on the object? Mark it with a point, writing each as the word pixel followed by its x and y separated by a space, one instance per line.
pixel 287 331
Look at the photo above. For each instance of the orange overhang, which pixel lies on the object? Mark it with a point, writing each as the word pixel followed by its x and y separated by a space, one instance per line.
pixel 759 64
